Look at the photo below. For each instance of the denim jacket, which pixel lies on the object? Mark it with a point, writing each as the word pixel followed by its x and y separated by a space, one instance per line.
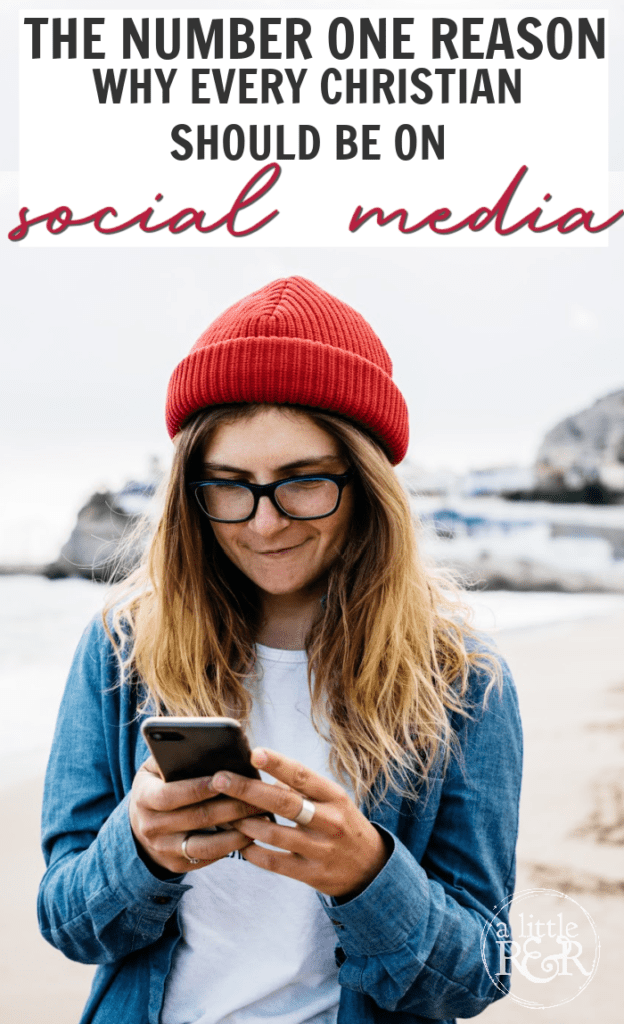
pixel 409 946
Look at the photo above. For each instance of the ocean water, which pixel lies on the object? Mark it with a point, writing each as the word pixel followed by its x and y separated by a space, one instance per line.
pixel 41 622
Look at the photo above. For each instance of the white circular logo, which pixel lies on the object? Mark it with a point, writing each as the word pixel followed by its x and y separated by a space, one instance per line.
pixel 552 948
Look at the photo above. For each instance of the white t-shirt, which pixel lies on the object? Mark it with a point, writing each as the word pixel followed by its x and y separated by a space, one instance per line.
pixel 256 946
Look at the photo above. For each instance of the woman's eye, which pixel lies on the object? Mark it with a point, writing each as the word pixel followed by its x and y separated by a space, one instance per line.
pixel 306 485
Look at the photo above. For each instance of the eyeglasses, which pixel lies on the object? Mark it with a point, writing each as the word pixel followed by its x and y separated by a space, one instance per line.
pixel 298 497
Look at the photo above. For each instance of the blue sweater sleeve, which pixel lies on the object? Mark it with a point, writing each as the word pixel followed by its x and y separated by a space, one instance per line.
pixel 97 901
pixel 412 940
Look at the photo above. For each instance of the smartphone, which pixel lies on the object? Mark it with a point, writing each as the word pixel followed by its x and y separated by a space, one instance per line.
pixel 188 748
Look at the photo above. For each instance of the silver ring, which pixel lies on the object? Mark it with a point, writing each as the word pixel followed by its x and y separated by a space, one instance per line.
pixel 191 860
pixel 306 813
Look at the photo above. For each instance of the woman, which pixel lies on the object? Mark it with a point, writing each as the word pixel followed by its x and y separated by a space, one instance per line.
pixel 283 587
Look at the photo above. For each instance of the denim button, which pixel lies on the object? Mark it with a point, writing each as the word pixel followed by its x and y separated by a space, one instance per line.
pixel 161 899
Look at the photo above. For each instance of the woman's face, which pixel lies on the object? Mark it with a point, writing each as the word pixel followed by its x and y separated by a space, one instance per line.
pixel 280 555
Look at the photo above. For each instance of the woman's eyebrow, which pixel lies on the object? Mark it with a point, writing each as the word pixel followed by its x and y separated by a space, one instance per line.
pixel 312 460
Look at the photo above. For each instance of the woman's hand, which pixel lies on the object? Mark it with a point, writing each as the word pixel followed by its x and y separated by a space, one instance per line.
pixel 338 853
pixel 163 813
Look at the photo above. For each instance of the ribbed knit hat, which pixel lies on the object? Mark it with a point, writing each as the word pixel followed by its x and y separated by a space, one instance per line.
pixel 291 343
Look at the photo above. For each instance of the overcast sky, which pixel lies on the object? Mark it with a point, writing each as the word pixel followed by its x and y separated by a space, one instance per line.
pixel 490 348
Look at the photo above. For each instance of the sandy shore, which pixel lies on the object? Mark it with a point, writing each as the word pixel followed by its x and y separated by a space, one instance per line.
pixel 571 683
pixel 37 984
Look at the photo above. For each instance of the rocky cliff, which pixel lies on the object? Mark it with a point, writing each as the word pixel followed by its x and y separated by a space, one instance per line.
pixel 583 455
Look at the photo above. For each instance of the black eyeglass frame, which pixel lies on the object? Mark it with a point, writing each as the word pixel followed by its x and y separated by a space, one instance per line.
pixel 268 490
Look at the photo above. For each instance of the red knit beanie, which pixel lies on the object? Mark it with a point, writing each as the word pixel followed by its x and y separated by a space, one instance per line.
pixel 291 343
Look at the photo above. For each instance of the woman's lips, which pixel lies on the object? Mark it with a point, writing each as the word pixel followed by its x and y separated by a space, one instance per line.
pixel 276 552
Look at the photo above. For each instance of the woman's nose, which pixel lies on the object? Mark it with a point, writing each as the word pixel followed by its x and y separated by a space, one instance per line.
pixel 268 519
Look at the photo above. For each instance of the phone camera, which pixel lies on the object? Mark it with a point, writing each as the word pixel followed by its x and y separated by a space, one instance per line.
pixel 167 737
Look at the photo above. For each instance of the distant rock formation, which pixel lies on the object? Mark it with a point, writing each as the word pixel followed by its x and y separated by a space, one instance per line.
pixel 102 546
pixel 582 457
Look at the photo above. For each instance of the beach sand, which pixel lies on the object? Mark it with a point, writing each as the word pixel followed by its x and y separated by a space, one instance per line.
pixel 571 683
pixel 38 985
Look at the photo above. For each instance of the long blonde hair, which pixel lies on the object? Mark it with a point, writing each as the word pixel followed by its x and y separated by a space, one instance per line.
pixel 389 653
